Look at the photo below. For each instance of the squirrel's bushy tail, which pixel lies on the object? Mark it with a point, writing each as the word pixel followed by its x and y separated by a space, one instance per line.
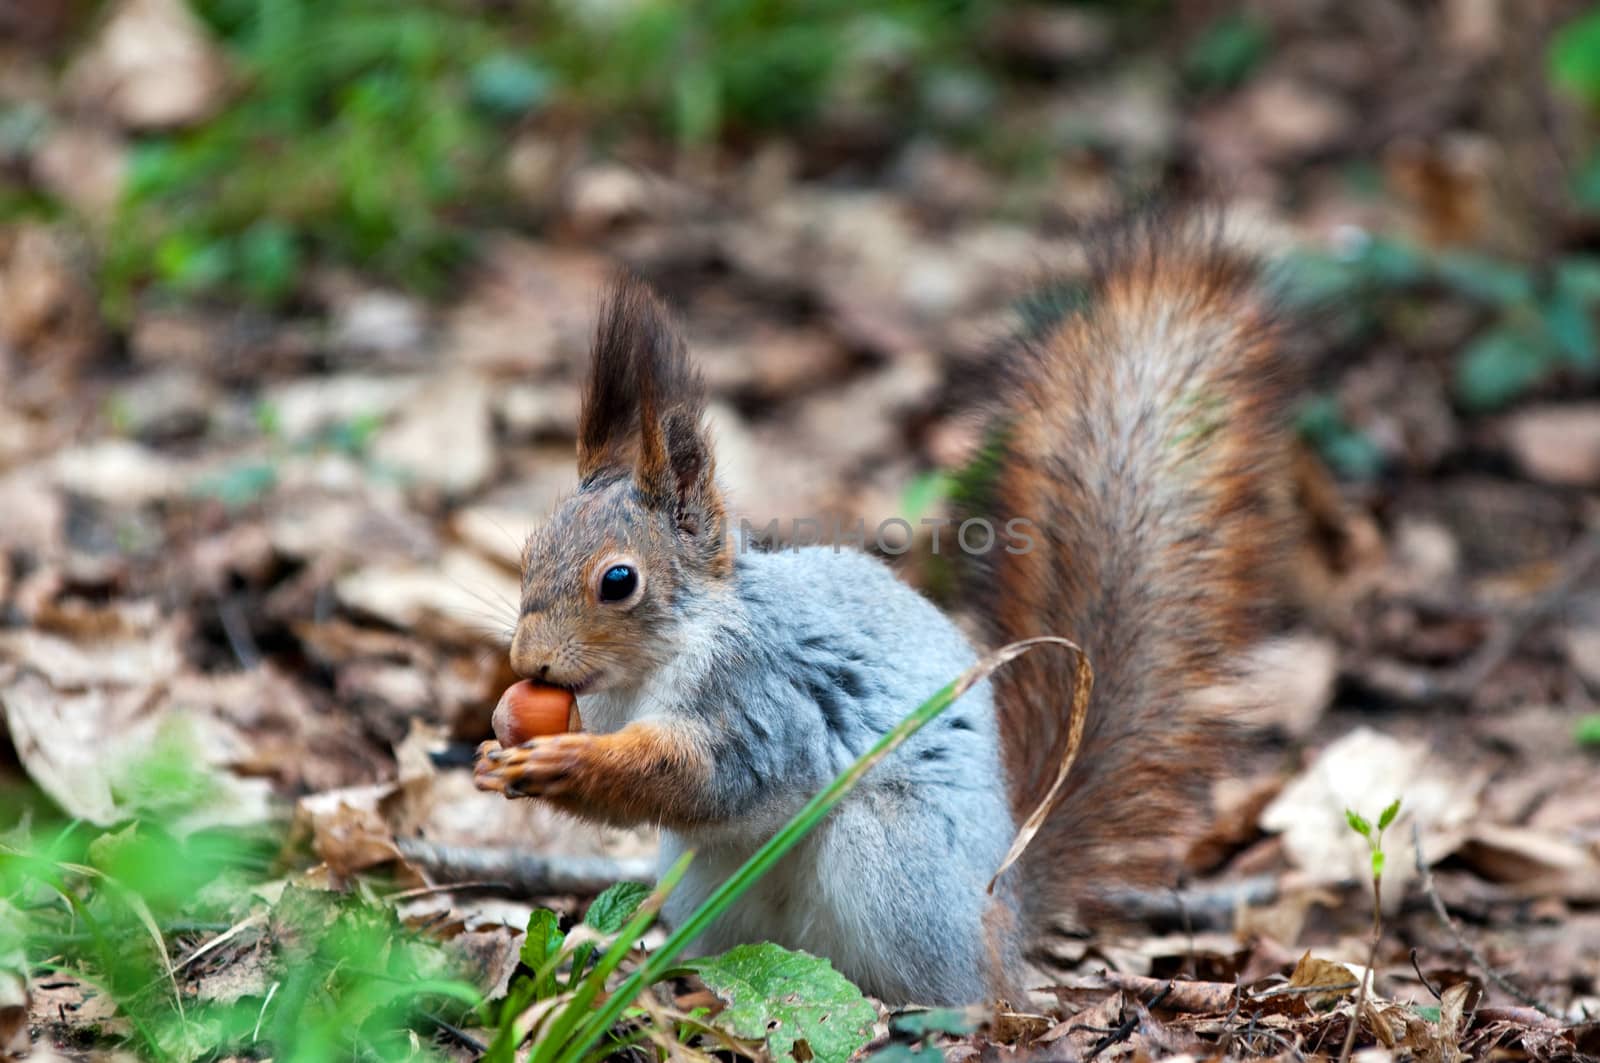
pixel 1144 437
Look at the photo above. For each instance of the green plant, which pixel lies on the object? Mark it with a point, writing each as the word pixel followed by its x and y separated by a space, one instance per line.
pixel 1574 65
pixel 787 999
pixel 1587 732
pixel 698 69
pixel 351 982
pixel 368 131
pixel 1374 840
pixel 1536 322
pixel 1574 59
pixel 1227 53
pixel 110 907
pixel 360 132
pixel 912 1033
pixel 1350 452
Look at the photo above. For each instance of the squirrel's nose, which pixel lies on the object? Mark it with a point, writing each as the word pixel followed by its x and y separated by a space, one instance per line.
pixel 535 654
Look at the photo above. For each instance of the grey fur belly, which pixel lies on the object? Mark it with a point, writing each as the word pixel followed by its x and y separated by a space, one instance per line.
pixel 903 929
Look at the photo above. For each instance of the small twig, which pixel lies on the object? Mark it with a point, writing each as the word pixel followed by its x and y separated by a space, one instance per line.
pixel 255 1034
pixel 1128 1025
pixel 1301 990
pixel 258 919
pixel 1190 968
pixel 1233 1016
pixel 445 887
pixel 528 874
pixel 456 1033
pixel 1188 997
pixel 1424 978
pixel 1404 682
pixel 1281 1041
pixel 1203 907
pixel 237 629
pixel 1575 567
pixel 1461 941
pixel 1537 1018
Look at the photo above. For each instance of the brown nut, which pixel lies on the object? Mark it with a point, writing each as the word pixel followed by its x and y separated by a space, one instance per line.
pixel 529 710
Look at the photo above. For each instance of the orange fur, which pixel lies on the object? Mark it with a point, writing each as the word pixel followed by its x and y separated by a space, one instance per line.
pixel 1145 440
pixel 646 772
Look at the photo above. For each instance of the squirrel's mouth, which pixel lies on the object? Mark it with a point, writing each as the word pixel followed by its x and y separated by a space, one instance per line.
pixel 578 687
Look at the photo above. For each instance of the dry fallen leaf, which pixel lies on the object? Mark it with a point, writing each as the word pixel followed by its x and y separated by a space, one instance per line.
pixel 1533 861
pixel 1336 979
pixel 441 437
pixel 152 65
pixel 1364 771
pixel 1558 444
pixel 14 998
pixel 80 715
pixel 1286 683
pixel 347 830
pixel 464 599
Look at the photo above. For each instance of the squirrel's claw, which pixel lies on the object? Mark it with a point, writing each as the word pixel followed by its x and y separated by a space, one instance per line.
pixel 543 767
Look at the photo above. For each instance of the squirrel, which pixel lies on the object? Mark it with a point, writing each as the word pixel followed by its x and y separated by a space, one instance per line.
pixel 1142 433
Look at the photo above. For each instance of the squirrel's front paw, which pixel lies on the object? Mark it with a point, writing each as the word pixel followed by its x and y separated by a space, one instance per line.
pixel 544 767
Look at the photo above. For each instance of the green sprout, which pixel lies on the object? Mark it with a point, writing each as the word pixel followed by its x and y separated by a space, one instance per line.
pixel 1359 824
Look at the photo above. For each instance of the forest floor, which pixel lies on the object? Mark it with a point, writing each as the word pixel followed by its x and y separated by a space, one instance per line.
pixel 259 558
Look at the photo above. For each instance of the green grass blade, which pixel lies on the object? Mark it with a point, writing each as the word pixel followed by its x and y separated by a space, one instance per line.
pixel 558 1041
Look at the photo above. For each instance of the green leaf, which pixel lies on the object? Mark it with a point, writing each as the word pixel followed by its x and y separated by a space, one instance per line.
pixel 697 104
pixel 1574 60
pixel 269 261
pixel 1357 824
pixel 1588 731
pixel 192 264
pixel 1579 275
pixel 611 910
pixel 789 999
pixel 1311 279
pixel 508 85
pixel 608 914
pixel 954 1021
pixel 1377 863
pixel 1499 366
pixel 1319 418
pixel 1390 263
pixel 543 941
pixel 1571 328
pixel 240 485
pixel 1388 814
pixel 1227 52
pixel 925 491
pixel 1485 278
pixel 1586 184
pixel 902 1053
pixel 1353 455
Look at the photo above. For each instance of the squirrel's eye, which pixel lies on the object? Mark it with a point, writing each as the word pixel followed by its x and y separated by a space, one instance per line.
pixel 618 583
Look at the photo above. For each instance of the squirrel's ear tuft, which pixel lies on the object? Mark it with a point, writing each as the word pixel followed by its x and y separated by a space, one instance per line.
pixel 633 333
pixel 642 410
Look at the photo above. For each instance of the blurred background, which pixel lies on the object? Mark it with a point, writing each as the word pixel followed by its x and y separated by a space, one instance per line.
pixel 295 300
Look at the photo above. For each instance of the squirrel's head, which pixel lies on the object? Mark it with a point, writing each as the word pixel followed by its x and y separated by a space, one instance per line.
pixel 607 579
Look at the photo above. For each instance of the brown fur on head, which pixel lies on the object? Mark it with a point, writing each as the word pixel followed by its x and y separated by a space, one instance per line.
pixel 647 502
